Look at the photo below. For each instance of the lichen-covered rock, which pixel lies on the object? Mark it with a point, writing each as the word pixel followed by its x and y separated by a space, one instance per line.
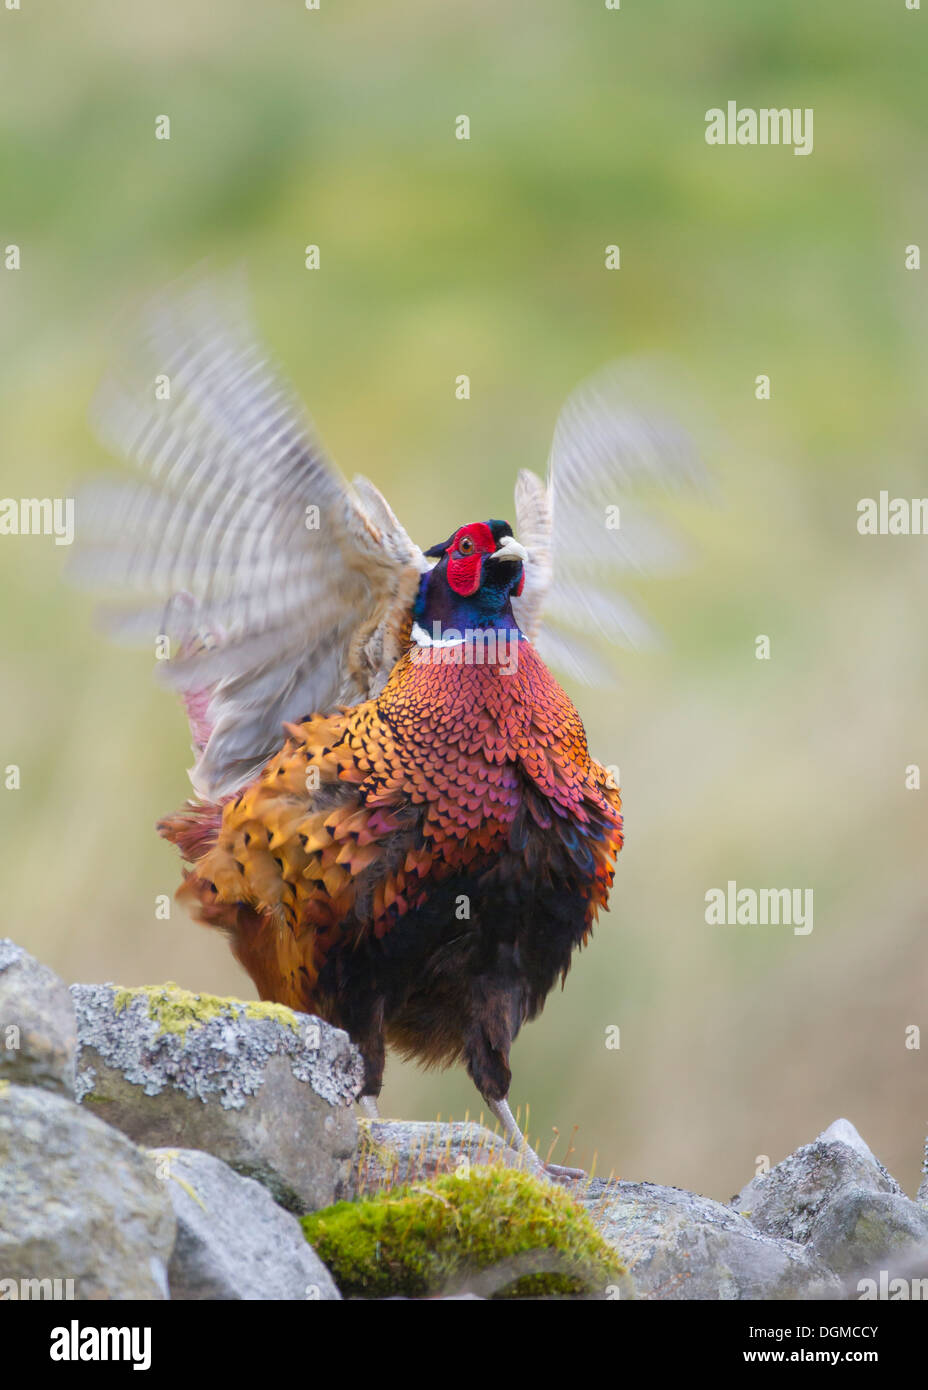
pixel 37 1028
pixel 491 1231
pixel 922 1193
pixel 78 1202
pixel 267 1090
pixel 863 1232
pixel 836 1198
pixel 843 1132
pixel 790 1200
pixel 393 1152
pixel 680 1246
pixel 233 1240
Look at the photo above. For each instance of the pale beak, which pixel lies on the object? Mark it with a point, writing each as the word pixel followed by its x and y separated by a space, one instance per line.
pixel 510 549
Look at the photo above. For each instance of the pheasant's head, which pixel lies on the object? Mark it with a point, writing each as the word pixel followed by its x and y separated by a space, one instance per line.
pixel 480 569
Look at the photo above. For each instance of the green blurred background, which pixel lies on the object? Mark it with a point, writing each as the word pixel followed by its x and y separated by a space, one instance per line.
pixel 336 127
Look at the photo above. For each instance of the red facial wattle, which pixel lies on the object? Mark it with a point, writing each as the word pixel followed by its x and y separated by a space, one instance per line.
pixel 464 573
pixel 464 569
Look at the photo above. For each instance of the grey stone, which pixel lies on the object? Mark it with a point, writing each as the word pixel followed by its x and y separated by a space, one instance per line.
pixel 836 1198
pixel 843 1132
pixel 391 1152
pixel 680 1246
pixel 233 1240
pixel 862 1232
pixel 436 1298
pixel 37 1027
pixel 78 1202
pixel 788 1201
pixel 267 1090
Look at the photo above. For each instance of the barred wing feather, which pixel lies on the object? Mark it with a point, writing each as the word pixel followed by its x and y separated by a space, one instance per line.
pixel 594 522
pixel 281 588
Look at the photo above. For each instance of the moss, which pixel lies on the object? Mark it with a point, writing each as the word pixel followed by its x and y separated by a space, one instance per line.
pixel 497 1231
pixel 176 1010
pixel 4 1087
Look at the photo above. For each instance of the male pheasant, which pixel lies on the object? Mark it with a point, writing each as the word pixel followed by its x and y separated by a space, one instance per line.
pixel 397 822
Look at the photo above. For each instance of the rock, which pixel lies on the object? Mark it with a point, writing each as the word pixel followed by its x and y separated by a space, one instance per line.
pixel 391 1152
pixel 922 1193
pixel 676 1245
pixel 437 1298
pixel 233 1240
pixel 862 1233
pixel 267 1090
pixel 78 1202
pixel 843 1132
pixel 836 1198
pixel 788 1201
pixel 37 1027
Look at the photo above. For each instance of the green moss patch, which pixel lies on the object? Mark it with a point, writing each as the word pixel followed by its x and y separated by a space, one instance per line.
pixel 497 1232
pixel 176 1010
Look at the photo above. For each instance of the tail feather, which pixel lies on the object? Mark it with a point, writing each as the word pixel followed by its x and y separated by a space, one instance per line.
pixel 194 830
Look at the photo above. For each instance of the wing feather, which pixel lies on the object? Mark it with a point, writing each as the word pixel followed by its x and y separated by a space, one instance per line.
pixel 240 542
pixel 594 521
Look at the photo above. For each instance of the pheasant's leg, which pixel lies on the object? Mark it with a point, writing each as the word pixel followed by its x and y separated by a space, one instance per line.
pixel 362 1020
pixel 369 1108
pixel 514 1135
pixel 518 1141
pixel 496 1017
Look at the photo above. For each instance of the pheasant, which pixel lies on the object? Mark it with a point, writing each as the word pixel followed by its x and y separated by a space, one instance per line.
pixel 397 822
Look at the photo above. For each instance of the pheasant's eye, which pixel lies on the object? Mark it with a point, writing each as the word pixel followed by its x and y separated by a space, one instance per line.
pixel 465 546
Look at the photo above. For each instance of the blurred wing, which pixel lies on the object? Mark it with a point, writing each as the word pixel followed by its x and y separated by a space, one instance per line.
pixel 282 591
pixel 534 528
pixel 596 521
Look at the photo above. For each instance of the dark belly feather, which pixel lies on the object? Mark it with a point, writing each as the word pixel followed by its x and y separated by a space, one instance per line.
pixel 418 869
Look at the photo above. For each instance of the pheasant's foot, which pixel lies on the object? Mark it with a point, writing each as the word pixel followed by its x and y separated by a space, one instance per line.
pixel 553 1172
pixel 562 1174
